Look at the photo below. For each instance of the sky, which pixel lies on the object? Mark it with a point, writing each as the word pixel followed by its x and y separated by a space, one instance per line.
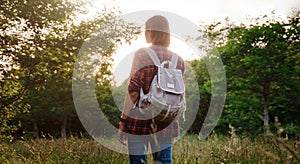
pixel 206 10
pixel 197 11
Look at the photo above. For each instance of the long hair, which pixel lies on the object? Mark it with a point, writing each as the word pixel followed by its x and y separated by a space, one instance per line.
pixel 159 30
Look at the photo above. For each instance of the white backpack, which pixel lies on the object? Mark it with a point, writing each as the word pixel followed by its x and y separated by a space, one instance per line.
pixel 166 97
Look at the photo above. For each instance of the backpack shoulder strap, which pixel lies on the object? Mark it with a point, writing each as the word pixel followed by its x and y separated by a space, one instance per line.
pixel 153 56
pixel 174 61
pixel 156 60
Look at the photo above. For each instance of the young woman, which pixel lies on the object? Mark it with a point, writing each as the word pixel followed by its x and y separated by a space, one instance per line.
pixel 144 132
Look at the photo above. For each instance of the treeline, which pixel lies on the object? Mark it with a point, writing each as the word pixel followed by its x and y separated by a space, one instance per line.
pixel 41 41
pixel 262 63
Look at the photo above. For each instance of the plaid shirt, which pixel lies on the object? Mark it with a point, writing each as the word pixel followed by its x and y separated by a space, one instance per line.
pixel 143 71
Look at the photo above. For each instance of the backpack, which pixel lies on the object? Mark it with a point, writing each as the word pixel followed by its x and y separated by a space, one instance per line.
pixel 166 97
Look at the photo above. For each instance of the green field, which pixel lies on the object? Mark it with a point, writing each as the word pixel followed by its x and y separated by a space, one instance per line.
pixel 189 149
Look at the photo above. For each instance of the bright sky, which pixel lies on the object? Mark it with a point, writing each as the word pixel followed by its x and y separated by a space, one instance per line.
pixel 205 10
pixel 194 10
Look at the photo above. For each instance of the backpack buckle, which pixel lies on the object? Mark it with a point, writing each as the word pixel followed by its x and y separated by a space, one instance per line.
pixel 166 64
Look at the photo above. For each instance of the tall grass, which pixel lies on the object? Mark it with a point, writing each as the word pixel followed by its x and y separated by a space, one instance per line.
pixel 190 149
pixel 71 150
pixel 220 149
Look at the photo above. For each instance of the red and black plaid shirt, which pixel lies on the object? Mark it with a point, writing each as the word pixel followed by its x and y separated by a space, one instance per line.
pixel 143 71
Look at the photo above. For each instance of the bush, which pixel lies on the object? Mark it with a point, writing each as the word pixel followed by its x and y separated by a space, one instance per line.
pixel 291 131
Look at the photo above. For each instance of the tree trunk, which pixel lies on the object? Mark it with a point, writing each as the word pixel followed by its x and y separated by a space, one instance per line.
pixel 266 108
pixel 36 131
pixel 63 127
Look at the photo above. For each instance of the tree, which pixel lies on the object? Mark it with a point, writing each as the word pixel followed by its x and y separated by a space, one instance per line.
pixel 97 38
pixel 92 72
pixel 42 53
pixel 203 85
pixel 262 67
pixel 24 26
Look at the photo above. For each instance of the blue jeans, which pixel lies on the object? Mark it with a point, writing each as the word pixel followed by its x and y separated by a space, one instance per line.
pixel 138 149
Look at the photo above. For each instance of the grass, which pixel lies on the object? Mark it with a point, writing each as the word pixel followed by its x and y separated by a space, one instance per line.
pixel 189 149
pixel 217 149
